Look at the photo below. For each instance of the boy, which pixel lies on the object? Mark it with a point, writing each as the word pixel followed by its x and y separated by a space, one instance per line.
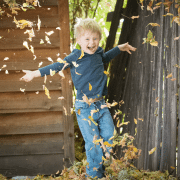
pixel 87 71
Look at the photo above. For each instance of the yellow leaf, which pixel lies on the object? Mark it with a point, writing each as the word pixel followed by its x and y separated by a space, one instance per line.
pixel 135 149
pixel 118 123
pixel 176 38
pixel 135 121
pixel 114 104
pixel 82 54
pixel 158 4
pixel 152 150
pixel 155 43
pixel 169 75
pixel 77 73
pixel 79 111
pixel 105 72
pixel 107 144
pixel 104 159
pixel 172 167
pixel 90 87
pixel 52 73
pixel 154 24
pixel 134 17
pixel 47 92
pixel 92 120
pixel 61 60
pixel 98 140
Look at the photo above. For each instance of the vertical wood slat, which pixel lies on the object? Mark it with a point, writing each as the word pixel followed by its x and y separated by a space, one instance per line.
pixel 66 84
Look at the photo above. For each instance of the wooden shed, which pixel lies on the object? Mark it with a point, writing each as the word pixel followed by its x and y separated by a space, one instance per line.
pixel 36 132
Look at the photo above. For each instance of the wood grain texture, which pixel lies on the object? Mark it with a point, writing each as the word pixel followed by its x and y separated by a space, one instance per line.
pixel 31 123
pixel 30 102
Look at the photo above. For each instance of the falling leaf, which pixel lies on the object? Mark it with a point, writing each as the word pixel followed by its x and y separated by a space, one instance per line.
pixel 94 111
pixel 135 149
pixel 30 33
pixel 135 121
pixel 22 23
pixel 134 17
pixel 155 43
pixel 173 79
pixel 34 57
pixel 6 58
pixel 154 24
pixel 41 41
pixel 152 150
pixel 169 75
pixel 25 43
pixel 158 4
pixel 95 169
pixel 61 60
pixel 150 9
pixel 105 72
pixel 22 90
pixel 47 40
pixel 49 33
pixel 114 104
pixel 157 99
pixel 168 14
pixel 141 119
pixel 82 54
pixel 75 64
pixel 79 111
pixel 1 37
pixel 39 23
pixel 52 73
pixel 37 92
pixel 107 144
pixel 65 111
pixel 58 28
pixel 172 167
pixel 61 98
pixel 176 38
pixel 50 59
pixel 77 72
pixel 32 49
pixel 40 64
pixel 4 66
pixel 47 92
pixel 6 72
pixel 90 87
pixel 62 74
pixel 91 118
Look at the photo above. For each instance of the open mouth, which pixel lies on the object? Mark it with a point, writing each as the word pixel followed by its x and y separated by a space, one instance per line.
pixel 91 48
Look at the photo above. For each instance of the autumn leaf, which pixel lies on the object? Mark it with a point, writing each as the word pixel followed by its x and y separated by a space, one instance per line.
pixel 135 121
pixel 154 43
pixel 152 150
pixel 176 38
pixel 134 17
pixel 82 54
pixel 169 75
pixel 77 72
pixel 173 79
pixel 39 23
pixel 172 167
pixel 94 111
pixel 90 87
pixel 49 33
pixel 141 119
pixel 91 118
pixel 154 24
pixel 105 72
pixel 47 92
pixel 25 43
pixel 52 73
pixel 79 111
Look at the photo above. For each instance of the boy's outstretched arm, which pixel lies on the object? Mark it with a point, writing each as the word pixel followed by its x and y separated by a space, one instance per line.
pixel 30 75
pixel 126 47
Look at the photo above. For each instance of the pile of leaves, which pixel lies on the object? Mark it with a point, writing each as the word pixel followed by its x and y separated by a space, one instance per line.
pixel 115 169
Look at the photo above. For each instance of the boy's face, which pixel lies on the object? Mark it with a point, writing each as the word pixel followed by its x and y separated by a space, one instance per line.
pixel 89 41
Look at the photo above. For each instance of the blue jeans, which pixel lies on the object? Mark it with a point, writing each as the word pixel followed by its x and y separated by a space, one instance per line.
pixel 102 127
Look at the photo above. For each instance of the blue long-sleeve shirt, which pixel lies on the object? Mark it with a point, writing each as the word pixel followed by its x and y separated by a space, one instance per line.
pixel 87 72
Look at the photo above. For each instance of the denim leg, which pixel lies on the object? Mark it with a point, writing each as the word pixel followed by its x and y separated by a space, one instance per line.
pixel 104 129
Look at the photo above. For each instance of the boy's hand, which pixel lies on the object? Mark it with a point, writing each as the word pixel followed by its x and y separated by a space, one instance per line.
pixel 126 47
pixel 30 75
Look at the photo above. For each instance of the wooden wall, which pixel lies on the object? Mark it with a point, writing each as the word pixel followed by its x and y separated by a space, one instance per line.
pixel 36 133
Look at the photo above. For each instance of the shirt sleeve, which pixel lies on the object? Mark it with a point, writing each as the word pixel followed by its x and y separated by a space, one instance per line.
pixel 59 66
pixel 107 56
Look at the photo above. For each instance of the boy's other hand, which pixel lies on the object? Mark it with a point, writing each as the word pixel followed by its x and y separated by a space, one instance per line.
pixel 126 47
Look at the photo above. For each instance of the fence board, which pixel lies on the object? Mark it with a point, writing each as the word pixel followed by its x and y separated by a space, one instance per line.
pixel 14 38
pixel 7 85
pixel 36 144
pixel 30 102
pixel 31 123
pixel 31 165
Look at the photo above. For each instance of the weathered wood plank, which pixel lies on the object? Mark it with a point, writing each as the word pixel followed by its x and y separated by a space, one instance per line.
pixel 24 59
pixel 14 38
pixel 42 2
pixel 36 144
pixel 30 102
pixel 31 123
pixel 47 15
pixel 31 165
pixel 66 84
pixel 7 85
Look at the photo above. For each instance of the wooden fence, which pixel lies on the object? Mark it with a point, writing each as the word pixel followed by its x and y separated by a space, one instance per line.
pixel 142 81
pixel 36 133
